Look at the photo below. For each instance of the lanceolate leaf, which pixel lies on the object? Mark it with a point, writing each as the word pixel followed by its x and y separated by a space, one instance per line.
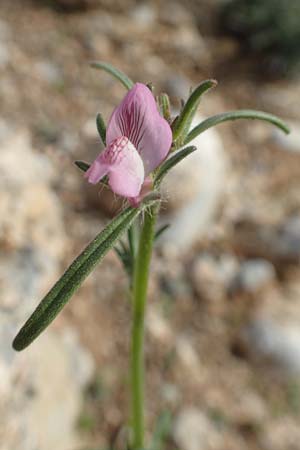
pixel 171 162
pixel 182 125
pixel 127 82
pixel 235 115
pixel 82 165
pixel 101 127
pixel 71 280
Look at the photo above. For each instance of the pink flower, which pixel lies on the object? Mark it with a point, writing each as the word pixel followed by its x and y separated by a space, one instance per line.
pixel 138 139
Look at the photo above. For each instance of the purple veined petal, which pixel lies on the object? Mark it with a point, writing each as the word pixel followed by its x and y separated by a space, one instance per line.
pixel 138 118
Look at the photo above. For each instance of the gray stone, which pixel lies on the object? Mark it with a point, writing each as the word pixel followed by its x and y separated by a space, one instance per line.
pixel 49 72
pixel 275 341
pixel 290 235
pixel 254 275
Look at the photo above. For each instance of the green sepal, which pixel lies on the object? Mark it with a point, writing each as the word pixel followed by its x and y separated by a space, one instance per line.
pixel 182 125
pixel 170 163
pixel 127 82
pixel 150 86
pixel 72 279
pixel 82 165
pixel 236 115
pixel 164 105
pixel 101 127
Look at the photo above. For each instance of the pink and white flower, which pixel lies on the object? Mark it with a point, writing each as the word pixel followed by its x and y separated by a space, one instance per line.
pixel 138 139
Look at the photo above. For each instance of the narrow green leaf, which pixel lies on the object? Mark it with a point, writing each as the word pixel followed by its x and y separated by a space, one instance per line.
pixel 101 127
pixel 182 125
pixel 164 104
pixel 82 165
pixel 126 260
pixel 161 230
pixel 127 82
pixel 171 162
pixel 124 248
pixel 71 280
pixel 236 115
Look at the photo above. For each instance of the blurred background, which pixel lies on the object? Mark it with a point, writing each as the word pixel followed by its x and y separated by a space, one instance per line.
pixel 223 320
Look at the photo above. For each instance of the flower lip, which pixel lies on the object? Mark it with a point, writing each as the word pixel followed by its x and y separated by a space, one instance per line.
pixel 123 165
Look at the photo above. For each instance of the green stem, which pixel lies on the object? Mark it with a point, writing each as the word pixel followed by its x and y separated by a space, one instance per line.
pixel 140 285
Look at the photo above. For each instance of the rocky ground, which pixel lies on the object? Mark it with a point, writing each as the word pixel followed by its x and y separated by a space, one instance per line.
pixel 223 333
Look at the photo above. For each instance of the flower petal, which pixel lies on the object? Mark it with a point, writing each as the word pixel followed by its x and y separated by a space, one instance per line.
pixel 145 189
pixel 138 118
pixel 126 174
pixel 97 170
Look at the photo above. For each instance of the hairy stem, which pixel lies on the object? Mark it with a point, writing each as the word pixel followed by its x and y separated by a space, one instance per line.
pixel 140 285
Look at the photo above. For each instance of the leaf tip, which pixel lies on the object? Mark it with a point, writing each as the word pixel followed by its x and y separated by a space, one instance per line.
pixel 17 344
pixel 286 129
pixel 82 165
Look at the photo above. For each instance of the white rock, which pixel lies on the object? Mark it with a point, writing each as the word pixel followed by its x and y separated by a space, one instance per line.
pixel 157 326
pixel 188 358
pixel 193 431
pixel 89 129
pixel 195 188
pixel 144 15
pixel 29 209
pixel 40 388
pixel 212 276
pixel 49 72
pixel 44 398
